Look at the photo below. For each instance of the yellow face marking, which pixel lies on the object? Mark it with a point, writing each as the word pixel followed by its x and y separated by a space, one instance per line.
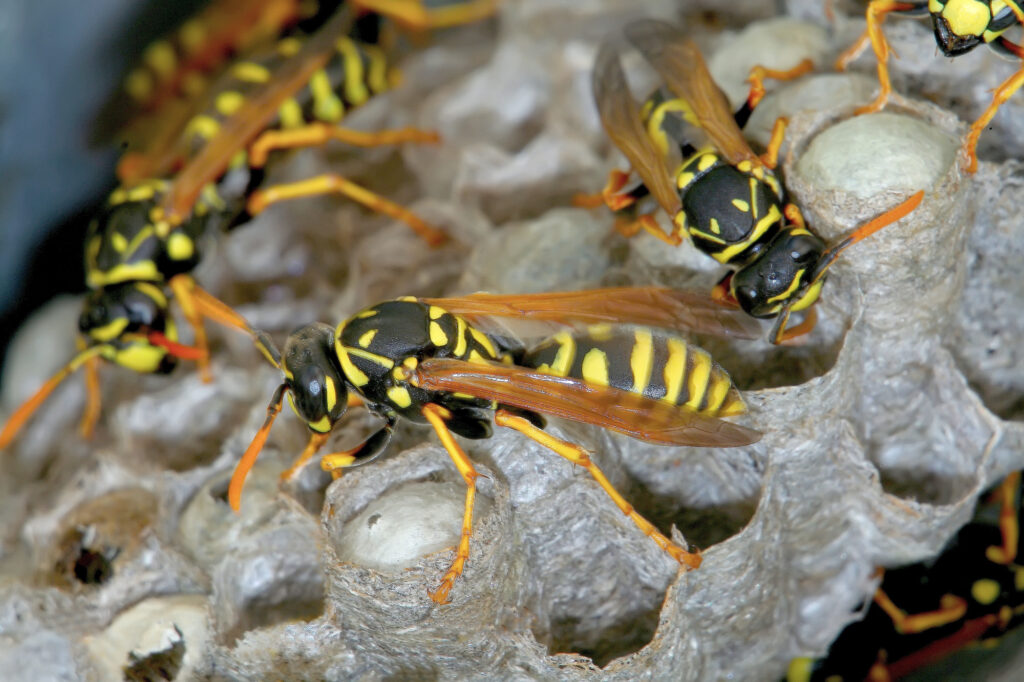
pixel 366 313
pixel 399 395
pixel 967 17
pixel 160 57
pixel 290 114
pixel 228 102
pixel 565 355
pixel 203 126
pixel 697 382
pixel 437 335
pixel 436 312
pixel 794 285
pixel 191 35
pixel 138 84
pixel 675 367
pixel 741 205
pixel 600 332
pixel 482 339
pixel 352 373
pixel 985 591
pixel 110 330
pixel 250 72
pixel 378 73
pixel 460 337
pixel 809 297
pixel 139 357
pixel 154 293
pixel 762 225
pixel 595 367
pixel 367 337
pixel 355 89
pixel 641 359
pixel 118 241
pixel 327 106
pixel 332 393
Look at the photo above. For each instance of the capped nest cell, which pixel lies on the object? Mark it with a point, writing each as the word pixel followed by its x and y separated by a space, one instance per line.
pixel 121 557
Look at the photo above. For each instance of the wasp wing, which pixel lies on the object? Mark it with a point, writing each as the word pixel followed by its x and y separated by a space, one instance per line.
pixel 680 63
pixel 621 120
pixel 576 400
pixel 646 306
pixel 242 127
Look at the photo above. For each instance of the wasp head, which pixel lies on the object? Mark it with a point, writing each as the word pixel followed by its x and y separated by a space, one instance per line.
pixel 782 273
pixel 316 386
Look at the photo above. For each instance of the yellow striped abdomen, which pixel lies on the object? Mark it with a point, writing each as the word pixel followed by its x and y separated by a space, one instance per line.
pixel 643 361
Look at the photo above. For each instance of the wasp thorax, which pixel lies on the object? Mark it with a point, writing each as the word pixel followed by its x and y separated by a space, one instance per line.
pixel 317 390
pixel 780 274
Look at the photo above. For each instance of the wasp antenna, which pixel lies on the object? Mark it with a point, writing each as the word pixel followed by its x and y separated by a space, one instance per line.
pixel 266 346
pixel 889 217
pixel 253 451
pixel 27 408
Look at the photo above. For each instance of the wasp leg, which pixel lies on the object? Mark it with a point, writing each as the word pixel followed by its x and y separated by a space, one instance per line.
pixel 93 398
pixel 196 304
pixel 316 441
pixel 951 609
pixel 721 295
pixel 577 455
pixel 414 16
pixel 364 453
pixel 770 158
pixel 248 459
pixel 316 134
pixel 649 224
pixel 1002 93
pixel 437 415
pixel 335 184
pixel 875 16
pixel 759 74
pixel 806 326
pixel 1006 553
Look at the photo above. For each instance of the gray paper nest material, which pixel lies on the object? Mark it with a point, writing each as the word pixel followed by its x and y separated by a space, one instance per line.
pixel 880 431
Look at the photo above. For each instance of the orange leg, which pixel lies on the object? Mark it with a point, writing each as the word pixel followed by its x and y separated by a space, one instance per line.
pixel 1006 553
pixel 93 398
pixel 759 74
pixel 577 455
pixel 951 609
pixel 793 215
pixel 436 415
pixel 316 134
pixel 875 16
pixel 806 326
pixel 335 184
pixel 196 303
pixel 248 460
pixel 316 441
pixel 1002 93
pixel 770 158
pixel 649 224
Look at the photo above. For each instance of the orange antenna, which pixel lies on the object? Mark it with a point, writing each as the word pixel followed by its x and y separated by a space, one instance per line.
pixel 22 414
pixel 253 451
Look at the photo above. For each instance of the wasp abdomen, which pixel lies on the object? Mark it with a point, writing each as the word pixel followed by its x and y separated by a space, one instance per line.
pixel 642 361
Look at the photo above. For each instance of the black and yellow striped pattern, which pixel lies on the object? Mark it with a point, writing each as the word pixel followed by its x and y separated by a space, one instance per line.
pixel 643 361
pixel 374 346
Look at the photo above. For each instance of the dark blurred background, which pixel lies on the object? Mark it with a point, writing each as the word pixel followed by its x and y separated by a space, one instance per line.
pixel 59 62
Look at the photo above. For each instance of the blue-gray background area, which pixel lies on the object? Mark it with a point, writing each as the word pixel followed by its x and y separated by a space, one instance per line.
pixel 59 62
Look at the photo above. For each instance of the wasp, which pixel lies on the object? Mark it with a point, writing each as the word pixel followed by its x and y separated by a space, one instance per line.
pixel 142 246
pixel 724 197
pixel 960 26
pixel 429 361
pixel 972 592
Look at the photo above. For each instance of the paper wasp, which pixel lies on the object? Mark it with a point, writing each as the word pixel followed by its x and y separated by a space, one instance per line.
pixel 972 592
pixel 960 26
pixel 429 361
pixel 725 198
pixel 146 238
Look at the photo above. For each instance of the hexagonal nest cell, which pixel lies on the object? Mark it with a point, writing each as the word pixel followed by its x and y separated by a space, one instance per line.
pixel 880 429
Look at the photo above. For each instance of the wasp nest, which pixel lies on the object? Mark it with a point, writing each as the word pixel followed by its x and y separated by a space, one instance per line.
pixel 121 556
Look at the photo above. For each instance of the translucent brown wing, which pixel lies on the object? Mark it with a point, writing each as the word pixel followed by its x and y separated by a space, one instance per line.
pixel 647 306
pixel 680 64
pixel 252 118
pixel 628 413
pixel 621 119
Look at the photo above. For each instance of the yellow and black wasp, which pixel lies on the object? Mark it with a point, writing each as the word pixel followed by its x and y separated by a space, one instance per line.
pixel 429 361
pixel 725 198
pixel 960 26
pixel 973 592
pixel 146 239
